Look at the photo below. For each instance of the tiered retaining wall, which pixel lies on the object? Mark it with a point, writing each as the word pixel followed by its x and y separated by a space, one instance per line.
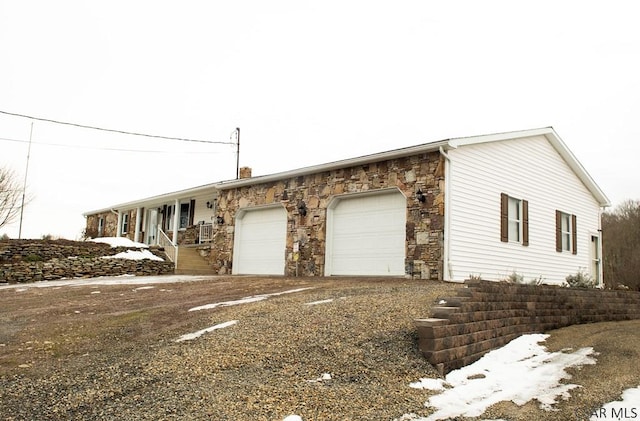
pixel 45 260
pixel 487 315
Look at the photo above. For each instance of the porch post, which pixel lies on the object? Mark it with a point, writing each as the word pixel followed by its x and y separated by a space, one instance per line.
pixel 119 225
pixel 176 222
pixel 136 237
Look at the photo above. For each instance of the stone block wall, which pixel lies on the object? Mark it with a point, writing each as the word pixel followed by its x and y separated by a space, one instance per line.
pixel 424 219
pixel 487 315
pixel 40 260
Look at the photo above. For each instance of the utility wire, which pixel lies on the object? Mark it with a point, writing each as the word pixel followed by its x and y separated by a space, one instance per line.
pixel 102 148
pixel 113 130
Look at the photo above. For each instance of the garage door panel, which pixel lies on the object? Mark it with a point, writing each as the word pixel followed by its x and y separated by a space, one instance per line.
pixel 368 235
pixel 260 242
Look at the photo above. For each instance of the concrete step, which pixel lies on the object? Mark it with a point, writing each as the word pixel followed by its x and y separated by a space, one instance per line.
pixel 191 263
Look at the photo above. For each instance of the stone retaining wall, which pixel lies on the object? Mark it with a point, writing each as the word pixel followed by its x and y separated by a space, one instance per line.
pixel 487 315
pixel 43 260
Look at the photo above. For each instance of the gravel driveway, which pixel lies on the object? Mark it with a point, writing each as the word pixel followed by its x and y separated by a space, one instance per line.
pixel 325 349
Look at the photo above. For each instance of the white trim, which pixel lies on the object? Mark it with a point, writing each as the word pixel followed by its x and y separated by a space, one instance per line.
pixel 176 221
pixel 138 224
pixel 447 266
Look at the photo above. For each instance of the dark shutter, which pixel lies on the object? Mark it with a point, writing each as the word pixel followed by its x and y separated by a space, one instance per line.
pixel 574 234
pixel 192 207
pixel 558 231
pixel 504 217
pixel 525 223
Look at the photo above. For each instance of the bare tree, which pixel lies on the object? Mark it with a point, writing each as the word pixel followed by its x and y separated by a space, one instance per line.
pixel 621 250
pixel 10 196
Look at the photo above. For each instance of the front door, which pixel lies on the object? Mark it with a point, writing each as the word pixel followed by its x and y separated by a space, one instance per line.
pixel 152 227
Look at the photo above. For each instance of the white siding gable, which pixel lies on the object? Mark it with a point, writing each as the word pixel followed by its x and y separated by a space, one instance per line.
pixel 529 169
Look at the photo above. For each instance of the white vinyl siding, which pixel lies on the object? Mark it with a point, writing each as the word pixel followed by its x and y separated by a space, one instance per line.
pixel 523 168
pixel 366 235
pixel 260 241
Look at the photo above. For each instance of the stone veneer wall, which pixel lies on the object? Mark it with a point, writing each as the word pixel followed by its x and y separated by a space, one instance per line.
pixel 44 260
pixel 110 225
pixel 424 220
pixel 487 315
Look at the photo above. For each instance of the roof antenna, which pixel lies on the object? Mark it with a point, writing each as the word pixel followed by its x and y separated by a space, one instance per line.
pixel 236 132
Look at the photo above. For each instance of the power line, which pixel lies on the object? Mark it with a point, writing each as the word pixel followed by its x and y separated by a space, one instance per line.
pixel 113 130
pixel 103 148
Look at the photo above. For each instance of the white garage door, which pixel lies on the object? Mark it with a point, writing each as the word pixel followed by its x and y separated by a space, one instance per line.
pixel 260 242
pixel 366 235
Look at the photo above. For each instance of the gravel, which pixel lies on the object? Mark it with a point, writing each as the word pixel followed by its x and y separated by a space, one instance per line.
pixel 70 353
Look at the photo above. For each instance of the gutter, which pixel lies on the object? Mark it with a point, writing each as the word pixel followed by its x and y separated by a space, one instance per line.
pixel 446 263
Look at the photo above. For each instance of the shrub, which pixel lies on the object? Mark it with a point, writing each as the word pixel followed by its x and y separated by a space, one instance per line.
pixel 514 278
pixel 580 280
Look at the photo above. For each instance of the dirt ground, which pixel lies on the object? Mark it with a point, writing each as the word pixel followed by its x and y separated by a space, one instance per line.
pixel 111 352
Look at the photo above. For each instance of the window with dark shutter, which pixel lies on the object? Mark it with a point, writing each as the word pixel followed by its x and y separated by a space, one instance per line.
pixel 525 223
pixel 566 232
pixel 558 231
pixel 192 208
pixel 574 234
pixel 514 220
pixel 504 217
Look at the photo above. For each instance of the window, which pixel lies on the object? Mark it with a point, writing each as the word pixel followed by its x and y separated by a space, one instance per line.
pixel 566 235
pixel 185 216
pixel 125 223
pixel 514 217
pixel 100 227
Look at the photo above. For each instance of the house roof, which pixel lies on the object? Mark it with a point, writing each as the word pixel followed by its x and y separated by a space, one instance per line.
pixel 446 144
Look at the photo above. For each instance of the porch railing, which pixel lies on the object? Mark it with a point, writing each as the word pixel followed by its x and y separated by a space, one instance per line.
pixel 170 249
pixel 206 233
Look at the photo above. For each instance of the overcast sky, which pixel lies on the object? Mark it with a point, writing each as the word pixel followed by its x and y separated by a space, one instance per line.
pixel 306 82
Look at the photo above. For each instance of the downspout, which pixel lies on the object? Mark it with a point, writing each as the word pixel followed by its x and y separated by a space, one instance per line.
pixel 446 263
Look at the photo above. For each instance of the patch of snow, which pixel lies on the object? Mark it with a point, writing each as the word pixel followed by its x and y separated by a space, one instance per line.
pixel 142 288
pixel 313 303
pixel 325 376
pixel 520 371
pixel 431 384
pixel 626 409
pixel 245 300
pixel 194 335
pixel 293 418
pixel 135 255
pixel 95 292
pixel 110 280
pixel 119 242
